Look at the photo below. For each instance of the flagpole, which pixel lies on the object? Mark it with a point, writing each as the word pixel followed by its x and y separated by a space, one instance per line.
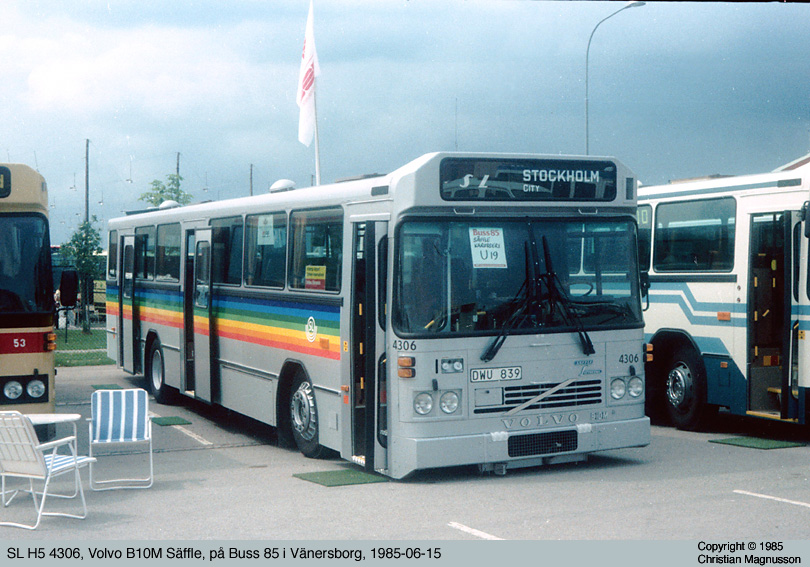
pixel 317 144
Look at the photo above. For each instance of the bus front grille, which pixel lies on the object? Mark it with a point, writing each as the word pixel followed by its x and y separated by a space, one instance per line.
pixel 578 393
pixel 542 443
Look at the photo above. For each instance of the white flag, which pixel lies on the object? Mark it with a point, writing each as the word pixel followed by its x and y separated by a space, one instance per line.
pixel 306 85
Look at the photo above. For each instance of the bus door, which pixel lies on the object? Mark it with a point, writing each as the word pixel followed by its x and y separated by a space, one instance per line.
pixel 801 366
pixel 793 406
pixel 369 393
pixel 128 320
pixel 199 311
pixel 772 314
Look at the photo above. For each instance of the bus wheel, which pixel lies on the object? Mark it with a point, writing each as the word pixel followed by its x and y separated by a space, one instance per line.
pixel 304 417
pixel 685 391
pixel 156 374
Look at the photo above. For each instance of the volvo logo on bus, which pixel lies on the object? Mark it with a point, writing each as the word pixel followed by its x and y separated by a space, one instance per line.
pixel 540 420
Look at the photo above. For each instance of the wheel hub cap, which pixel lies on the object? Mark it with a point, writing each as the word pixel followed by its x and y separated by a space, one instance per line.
pixel 679 385
pixel 302 408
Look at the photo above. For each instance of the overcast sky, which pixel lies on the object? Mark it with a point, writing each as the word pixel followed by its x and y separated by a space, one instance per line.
pixel 676 89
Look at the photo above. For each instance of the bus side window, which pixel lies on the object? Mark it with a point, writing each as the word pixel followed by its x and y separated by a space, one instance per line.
pixel 145 262
pixel 266 249
pixel 112 255
pixel 167 257
pixel 316 257
pixel 226 241
pixel 644 236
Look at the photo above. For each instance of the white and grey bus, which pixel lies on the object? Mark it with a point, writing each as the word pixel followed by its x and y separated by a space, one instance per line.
pixel 464 309
pixel 729 298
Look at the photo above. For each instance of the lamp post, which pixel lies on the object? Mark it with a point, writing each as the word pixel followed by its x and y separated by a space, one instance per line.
pixel 587 56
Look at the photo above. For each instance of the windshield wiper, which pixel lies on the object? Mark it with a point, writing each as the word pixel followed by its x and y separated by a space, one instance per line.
pixel 521 305
pixel 558 296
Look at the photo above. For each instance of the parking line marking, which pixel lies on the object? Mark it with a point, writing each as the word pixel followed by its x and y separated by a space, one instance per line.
pixel 766 497
pixel 473 531
pixel 181 429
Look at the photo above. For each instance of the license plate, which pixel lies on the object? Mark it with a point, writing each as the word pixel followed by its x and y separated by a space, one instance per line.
pixel 496 374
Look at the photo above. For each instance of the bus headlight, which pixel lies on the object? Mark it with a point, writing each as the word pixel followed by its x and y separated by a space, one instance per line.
pixel 635 387
pixel 449 402
pixel 13 390
pixel 423 403
pixel 617 389
pixel 36 388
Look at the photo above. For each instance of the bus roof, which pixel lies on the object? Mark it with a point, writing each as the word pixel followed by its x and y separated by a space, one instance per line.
pixel 22 189
pixel 363 188
pixel 782 179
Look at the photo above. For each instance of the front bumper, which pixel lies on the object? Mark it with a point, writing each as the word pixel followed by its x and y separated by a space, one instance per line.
pixel 513 449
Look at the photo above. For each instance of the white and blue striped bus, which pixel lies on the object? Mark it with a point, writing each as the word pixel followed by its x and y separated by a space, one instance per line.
pixel 466 309
pixel 729 296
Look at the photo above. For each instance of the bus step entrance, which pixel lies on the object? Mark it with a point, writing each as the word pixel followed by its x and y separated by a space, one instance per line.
pixel 774 415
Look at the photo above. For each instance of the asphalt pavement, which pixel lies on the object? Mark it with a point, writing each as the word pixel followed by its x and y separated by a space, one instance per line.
pixel 224 477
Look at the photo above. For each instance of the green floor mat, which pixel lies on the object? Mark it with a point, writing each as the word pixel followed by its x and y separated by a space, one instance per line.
pixel 106 387
pixel 342 477
pixel 757 443
pixel 171 420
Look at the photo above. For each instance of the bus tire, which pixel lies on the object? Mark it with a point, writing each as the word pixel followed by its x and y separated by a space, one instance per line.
pixel 685 390
pixel 304 417
pixel 156 374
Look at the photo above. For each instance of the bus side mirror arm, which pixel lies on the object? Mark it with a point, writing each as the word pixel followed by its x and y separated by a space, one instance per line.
pixel 644 278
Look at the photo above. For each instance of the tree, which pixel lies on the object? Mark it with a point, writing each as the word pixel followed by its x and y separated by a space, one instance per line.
pixel 83 249
pixel 164 192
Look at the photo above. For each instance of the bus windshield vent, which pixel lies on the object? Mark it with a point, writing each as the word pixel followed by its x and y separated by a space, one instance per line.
pixel 542 443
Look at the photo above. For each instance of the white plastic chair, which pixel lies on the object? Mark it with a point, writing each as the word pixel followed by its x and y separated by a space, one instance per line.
pixel 23 456
pixel 117 418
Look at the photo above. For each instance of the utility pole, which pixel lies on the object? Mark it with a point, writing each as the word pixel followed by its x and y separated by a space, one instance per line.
pixel 86 289
pixel 251 179
pixel 178 164
pixel 87 181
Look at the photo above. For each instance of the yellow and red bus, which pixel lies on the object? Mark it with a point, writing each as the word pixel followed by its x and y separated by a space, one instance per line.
pixel 27 340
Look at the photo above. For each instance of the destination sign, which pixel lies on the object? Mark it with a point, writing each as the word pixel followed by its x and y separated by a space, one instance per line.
pixel 492 179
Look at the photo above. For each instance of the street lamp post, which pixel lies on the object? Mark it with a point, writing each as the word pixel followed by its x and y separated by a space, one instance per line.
pixel 587 56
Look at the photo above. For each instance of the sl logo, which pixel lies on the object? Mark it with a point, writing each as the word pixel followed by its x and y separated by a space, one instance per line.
pixel 311 329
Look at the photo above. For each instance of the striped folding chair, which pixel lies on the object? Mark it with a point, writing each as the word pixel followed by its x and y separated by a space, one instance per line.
pixel 22 456
pixel 119 418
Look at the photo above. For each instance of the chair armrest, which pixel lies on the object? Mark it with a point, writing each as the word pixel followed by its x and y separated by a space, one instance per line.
pixel 56 443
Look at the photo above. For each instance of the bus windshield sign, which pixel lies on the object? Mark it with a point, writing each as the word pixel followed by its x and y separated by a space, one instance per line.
pixel 491 179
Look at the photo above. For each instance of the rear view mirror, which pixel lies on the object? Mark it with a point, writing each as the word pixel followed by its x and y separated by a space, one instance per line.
pixel 68 287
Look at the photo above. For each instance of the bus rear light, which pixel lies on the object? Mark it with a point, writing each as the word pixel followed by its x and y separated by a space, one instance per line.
pixel 649 356
pixel 406 372
pixel 50 342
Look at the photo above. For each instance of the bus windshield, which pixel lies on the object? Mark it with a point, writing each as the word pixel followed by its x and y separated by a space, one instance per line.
pixel 538 276
pixel 26 284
